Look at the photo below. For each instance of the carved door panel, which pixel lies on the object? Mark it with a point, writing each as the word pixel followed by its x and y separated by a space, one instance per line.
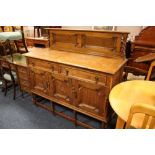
pixel 61 88
pixel 40 81
pixel 92 97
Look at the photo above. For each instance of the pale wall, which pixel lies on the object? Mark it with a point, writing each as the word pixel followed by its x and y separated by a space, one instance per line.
pixel 133 30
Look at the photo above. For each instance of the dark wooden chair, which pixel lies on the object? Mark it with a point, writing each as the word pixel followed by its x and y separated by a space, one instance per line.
pixel 143 45
pixel 9 77
pixel 17 36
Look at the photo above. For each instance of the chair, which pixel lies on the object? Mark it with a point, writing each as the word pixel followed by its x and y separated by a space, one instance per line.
pixel 16 35
pixel 9 77
pixel 149 115
pixel 148 75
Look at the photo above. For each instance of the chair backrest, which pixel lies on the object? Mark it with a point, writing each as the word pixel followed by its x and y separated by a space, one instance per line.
pixel 6 68
pixel 150 70
pixel 7 48
pixel 149 115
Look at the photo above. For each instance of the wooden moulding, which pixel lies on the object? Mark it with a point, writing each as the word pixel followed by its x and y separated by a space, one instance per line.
pixel 100 43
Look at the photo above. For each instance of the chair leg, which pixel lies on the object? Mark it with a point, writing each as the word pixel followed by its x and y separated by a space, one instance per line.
pixel 5 88
pixel 14 91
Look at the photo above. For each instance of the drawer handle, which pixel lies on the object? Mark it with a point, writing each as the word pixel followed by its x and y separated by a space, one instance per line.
pixel 96 79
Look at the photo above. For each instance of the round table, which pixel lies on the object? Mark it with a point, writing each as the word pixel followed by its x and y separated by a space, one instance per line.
pixel 125 94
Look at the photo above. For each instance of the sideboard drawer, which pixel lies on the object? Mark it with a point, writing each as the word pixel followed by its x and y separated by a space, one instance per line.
pixel 45 65
pixel 84 74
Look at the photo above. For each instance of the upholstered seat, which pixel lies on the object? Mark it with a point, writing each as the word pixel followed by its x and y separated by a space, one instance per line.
pixel 16 36
pixel 8 76
pixel 10 36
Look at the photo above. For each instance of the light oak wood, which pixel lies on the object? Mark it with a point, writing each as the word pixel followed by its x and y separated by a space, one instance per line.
pixel 37 41
pixel 101 43
pixel 78 70
pixel 97 63
pixel 149 115
pixel 150 70
pixel 125 94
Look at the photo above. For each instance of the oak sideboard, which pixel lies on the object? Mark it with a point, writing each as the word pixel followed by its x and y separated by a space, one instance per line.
pixel 78 70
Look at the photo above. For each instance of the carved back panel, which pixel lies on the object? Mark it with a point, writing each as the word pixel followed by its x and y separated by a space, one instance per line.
pixel 147 34
pixel 101 43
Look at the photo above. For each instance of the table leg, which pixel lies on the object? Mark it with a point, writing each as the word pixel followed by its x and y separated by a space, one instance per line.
pixel 120 123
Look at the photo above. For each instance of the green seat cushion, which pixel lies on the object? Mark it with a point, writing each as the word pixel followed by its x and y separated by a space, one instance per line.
pixel 10 36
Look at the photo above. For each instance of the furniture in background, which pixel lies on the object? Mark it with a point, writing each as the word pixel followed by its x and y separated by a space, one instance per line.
pixel 78 71
pixel 38 28
pixel 42 37
pixel 149 115
pixel 9 77
pixel 17 36
pixel 37 42
pixel 42 31
pixel 124 95
pixel 144 44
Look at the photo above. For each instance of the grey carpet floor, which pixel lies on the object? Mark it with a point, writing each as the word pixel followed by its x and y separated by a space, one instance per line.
pixel 23 114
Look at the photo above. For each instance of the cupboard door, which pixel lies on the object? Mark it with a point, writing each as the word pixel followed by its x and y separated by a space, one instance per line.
pixel 91 97
pixel 40 81
pixel 61 88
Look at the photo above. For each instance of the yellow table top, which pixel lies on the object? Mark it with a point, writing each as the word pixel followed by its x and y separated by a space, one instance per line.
pixel 125 94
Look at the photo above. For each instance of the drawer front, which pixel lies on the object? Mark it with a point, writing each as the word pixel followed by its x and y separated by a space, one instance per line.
pixel 85 75
pixel 44 65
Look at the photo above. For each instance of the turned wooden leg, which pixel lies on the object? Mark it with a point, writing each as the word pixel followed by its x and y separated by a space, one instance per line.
pixel 120 123
pixel 5 88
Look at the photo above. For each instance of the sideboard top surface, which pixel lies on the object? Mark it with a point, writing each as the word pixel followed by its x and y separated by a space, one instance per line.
pixel 97 63
pixel 82 30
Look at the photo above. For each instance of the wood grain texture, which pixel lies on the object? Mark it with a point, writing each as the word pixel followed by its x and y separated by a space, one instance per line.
pixel 125 94
pixel 75 76
pixel 97 63
pixel 101 43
